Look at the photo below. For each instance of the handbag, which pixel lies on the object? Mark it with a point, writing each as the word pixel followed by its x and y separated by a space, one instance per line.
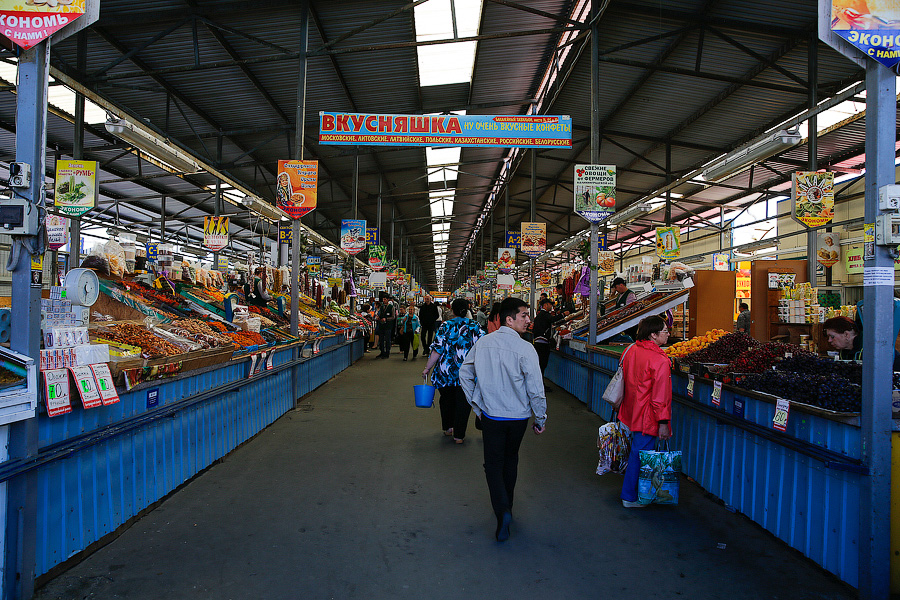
pixel 658 479
pixel 614 444
pixel 615 390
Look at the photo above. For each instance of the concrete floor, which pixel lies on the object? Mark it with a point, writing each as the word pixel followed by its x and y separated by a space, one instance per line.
pixel 358 495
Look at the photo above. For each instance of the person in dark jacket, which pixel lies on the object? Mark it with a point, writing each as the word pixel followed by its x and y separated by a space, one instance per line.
pixel 387 317
pixel 543 332
pixel 429 318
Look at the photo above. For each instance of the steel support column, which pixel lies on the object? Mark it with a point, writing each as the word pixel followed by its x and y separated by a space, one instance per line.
pixel 533 217
pixel 812 141
pixel 593 262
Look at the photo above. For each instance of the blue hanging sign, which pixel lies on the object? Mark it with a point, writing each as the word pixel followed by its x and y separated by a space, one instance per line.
pixel 513 238
pixel 372 237
pixel 873 32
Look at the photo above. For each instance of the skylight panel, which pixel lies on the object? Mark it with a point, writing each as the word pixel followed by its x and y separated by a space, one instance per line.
pixel 446 63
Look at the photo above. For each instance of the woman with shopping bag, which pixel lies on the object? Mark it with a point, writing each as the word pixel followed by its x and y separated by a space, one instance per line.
pixel 647 402
pixel 408 325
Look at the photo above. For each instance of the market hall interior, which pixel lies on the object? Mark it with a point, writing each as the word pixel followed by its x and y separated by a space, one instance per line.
pixel 357 494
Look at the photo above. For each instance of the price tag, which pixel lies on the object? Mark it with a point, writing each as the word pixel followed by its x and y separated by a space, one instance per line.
pixel 738 408
pixel 788 354
pixel 105 386
pixel 690 386
pixel 717 393
pixel 780 420
pixel 270 361
pixel 260 363
pixel 253 358
pixel 316 346
pixel 56 391
pixel 86 386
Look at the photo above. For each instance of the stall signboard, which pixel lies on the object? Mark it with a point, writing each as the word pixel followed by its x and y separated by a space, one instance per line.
pixel 313 264
pixel 296 191
pixel 853 258
pixel 607 262
pixel 721 261
pixel 872 29
pixel 377 257
pixel 353 236
pixel 378 281
pixel 828 251
pixel 152 253
pixel 480 279
pixel 56 391
pixel 742 279
pixel 442 295
pixel 57 231
pixel 812 195
pixel 545 278
pixel 285 232
pixel 506 260
pixel 222 263
pixel 74 189
pixel 668 242
pixel 506 131
pixel 513 239
pixel 534 239
pixel 372 236
pixel 601 241
pixel 28 23
pixel 595 192
pixel 215 232
pixel 335 282
pixel 505 282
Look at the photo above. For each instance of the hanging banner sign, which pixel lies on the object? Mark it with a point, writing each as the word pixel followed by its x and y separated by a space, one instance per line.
pixel 378 281
pixel 152 252
pixel 812 195
pixel 376 257
pixel 668 242
pixel 534 239
pixel 490 271
pixel 870 27
pixel 601 241
pixel 372 237
pixel 353 236
pixel 222 263
pixel 215 233
pixel 56 391
pixel 285 232
pixel 595 192
pixel 296 191
pixel 526 131
pixel 506 260
pixel 505 282
pixel 545 277
pixel 313 264
pixel 28 23
pixel 513 239
pixel 606 262
pixel 721 261
pixel 74 189
pixel 57 231
pixel 828 251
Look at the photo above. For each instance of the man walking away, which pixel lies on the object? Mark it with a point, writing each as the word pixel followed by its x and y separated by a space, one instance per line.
pixel 501 377
pixel 428 317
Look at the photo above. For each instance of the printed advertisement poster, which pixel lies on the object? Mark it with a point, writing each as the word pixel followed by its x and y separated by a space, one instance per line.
pixel 828 251
pixel 75 191
pixel 595 192
pixel 490 271
pixel 513 239
pixel 607 262
pixel 285 232
pixel 505 282
pixel 813 198
pixel 378 281
pixel 222 264
pixel 313 264
pixel 525 131
pixel 27 23
pixel 545 278
pixel 742 281
pixel 868 241
pixel 57 231
pixel 869 26
pixel 721 261
pixel 376 257
pixel 668 242
pixel 372 237
pixel 534 238
pixel 296 192
pixel 854 259
pixel 353 236
pixel 506 260
pixel 215 232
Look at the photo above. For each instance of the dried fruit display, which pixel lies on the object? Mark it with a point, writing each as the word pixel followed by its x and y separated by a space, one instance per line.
pixel 199 332
pixel 762 357
pixel 247 338
pixel 151 346
pixel 724 350
pixel 151 294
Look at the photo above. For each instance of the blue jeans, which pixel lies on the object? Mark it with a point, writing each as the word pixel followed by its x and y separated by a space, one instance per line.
pixel 639 442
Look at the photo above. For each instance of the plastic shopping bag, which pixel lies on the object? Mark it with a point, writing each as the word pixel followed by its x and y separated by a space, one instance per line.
pixel 658 479
pixel 614 442
pixel 415 341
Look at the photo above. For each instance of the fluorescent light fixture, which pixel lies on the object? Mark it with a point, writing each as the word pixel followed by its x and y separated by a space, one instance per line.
pixel 630 214
pixel 264 208
pixel 167 153
pixel 750 154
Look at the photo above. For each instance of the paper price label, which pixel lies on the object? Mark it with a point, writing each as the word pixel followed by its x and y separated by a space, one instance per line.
pixel 780 420
pixel 253 358
pixel 56 391
pixel 270 361
pixel 690 386
pixel 738 408
pixel 717 393
pixel 86 386
pixel 260 363
pixel 105 386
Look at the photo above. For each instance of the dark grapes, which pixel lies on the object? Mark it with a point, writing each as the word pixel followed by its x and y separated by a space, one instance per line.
pixel 830 392
pixel 724 350
pixel 763 356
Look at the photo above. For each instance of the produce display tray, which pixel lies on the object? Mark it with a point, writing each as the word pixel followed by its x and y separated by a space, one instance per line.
pixel 669 300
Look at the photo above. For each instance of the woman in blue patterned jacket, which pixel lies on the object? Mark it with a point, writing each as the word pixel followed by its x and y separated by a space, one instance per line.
pixel 452 342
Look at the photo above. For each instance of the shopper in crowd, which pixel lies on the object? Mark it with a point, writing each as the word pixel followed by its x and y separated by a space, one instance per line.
pixel 446 313
pixel 453 340
pixel 429 317
pixel 481 318
pixel 743 320
pixel 543 332
pixel 646 407
pixel 493 322
pixel 387 316
pixel 844 336
pixel 501 377
pixel 408 326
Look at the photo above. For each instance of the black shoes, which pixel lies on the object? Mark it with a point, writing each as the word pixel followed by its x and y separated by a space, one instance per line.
pixel 503 522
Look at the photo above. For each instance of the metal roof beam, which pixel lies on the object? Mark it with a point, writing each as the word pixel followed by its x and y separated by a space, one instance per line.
pixel 540 13
pixel 661 11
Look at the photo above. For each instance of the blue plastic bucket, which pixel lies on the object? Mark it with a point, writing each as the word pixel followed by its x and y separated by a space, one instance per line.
pixel 424 395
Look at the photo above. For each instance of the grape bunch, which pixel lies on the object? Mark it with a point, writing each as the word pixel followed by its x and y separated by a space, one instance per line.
pixel 724 350
pixel 813 365
pixel 763 356
pixel 830 392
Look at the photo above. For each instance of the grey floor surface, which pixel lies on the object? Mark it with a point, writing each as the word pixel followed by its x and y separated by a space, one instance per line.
pixel 356 494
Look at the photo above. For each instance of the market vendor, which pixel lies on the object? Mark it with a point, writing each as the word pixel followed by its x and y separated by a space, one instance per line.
pixel 258 295
pixel 844 337
pixel 626 296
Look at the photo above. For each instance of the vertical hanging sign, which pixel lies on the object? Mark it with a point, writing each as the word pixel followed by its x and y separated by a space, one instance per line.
pixel 215 232
pixel 353 236
pixel 812 193
pixel 28 23
pixel 595 192
pixel 285 232
pixel 313 263
pixel 668 242
pixel 296 190
pixel 372 237
pixel 871 27
pixel 512 239
pixel 74 189
pixel 506 260
pixel 534 239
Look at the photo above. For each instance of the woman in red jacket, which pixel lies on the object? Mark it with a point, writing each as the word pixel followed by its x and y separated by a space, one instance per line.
pixel 647 403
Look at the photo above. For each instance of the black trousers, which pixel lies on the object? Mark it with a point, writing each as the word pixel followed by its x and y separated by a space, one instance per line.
pixel 501 459
pixel 543 352
pixel 455 410
pixel 384 338
pixel 427 338
pixel 404 340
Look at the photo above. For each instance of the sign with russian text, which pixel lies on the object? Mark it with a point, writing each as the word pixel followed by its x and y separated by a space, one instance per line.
pixel 490 271
pixel 377 257
pixel 222 263
pixel 74 188
pixel 296 189
pixel 812 193
pixel 595 192
pixel 871 27
pixel 372 237
pixel 56 391
pixel 353 236
pixel 513 238
pixel 86 386
pixel 782 410
pixel 313 264
pixel 215 232
pixel 668 242
pixel 57 231
pixel 28 23
pixel 606 262
pixel 526 131
pixel 534 239
pixel 506 260
pixel 285 232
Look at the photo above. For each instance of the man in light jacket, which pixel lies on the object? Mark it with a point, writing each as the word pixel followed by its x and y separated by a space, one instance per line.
pixel 501 377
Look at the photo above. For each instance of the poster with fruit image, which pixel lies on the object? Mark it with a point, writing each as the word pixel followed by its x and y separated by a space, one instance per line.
pixel 595 192
pixel 296 187
pixel 812 195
